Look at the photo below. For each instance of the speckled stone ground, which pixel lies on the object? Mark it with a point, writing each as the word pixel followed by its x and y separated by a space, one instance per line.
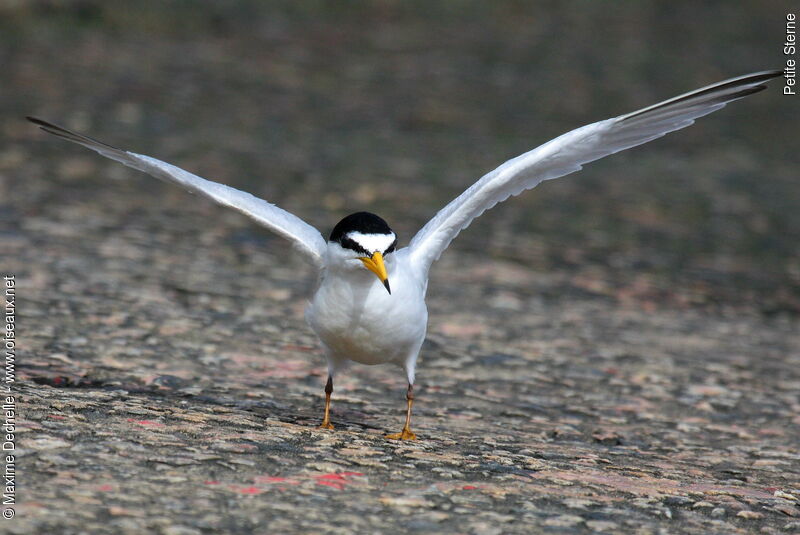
pixel 162 393
pixel 614 354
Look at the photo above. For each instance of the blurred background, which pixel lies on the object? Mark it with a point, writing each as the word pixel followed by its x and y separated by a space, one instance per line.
pixel 396 107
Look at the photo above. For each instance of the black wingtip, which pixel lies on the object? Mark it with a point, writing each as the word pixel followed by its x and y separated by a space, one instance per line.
pixel 770 74
pixel 46 125
pixel 42 123
pixel 37 121
pixel 760 76
pixel 725 89
pixel 69 135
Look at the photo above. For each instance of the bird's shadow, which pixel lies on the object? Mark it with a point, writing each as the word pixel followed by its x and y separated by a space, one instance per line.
pixel 175 388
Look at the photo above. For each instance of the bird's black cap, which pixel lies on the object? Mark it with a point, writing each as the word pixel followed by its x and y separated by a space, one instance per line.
pixel 363 222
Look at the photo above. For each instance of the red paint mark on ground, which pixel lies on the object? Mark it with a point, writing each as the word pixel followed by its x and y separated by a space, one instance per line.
pixel 469 487
pixel 250 490
pixel 339 477
pixel 246 490
pixel 105 488
pixel 337 480
pixel 146 422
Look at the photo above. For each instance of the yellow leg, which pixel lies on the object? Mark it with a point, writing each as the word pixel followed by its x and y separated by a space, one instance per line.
pixel 406 433
pixel 326 422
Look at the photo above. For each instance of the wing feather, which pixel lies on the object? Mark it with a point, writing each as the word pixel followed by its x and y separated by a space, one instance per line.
pixel 303 236
pixel 569 152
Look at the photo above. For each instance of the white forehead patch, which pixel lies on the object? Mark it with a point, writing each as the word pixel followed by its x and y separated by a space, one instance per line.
pixel 372 242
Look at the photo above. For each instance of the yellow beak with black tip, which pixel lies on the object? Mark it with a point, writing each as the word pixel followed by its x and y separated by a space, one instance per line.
pixel 375 265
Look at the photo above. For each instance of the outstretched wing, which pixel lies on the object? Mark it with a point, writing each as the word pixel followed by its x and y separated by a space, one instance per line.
pixel 303 236
pixel 567 154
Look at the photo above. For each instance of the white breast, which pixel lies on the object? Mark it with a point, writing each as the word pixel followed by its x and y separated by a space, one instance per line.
pixel 357 319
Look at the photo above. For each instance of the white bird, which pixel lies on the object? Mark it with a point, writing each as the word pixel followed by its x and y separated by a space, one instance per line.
pixel 356 313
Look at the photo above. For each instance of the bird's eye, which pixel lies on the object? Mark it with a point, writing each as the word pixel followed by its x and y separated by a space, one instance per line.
pixel 391 247
pixel 347 243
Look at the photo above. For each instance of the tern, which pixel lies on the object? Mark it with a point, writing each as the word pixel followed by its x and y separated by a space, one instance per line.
pixel 368 305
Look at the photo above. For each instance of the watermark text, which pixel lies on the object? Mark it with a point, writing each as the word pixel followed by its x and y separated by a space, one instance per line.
pixel 790 51
pixel 8 401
